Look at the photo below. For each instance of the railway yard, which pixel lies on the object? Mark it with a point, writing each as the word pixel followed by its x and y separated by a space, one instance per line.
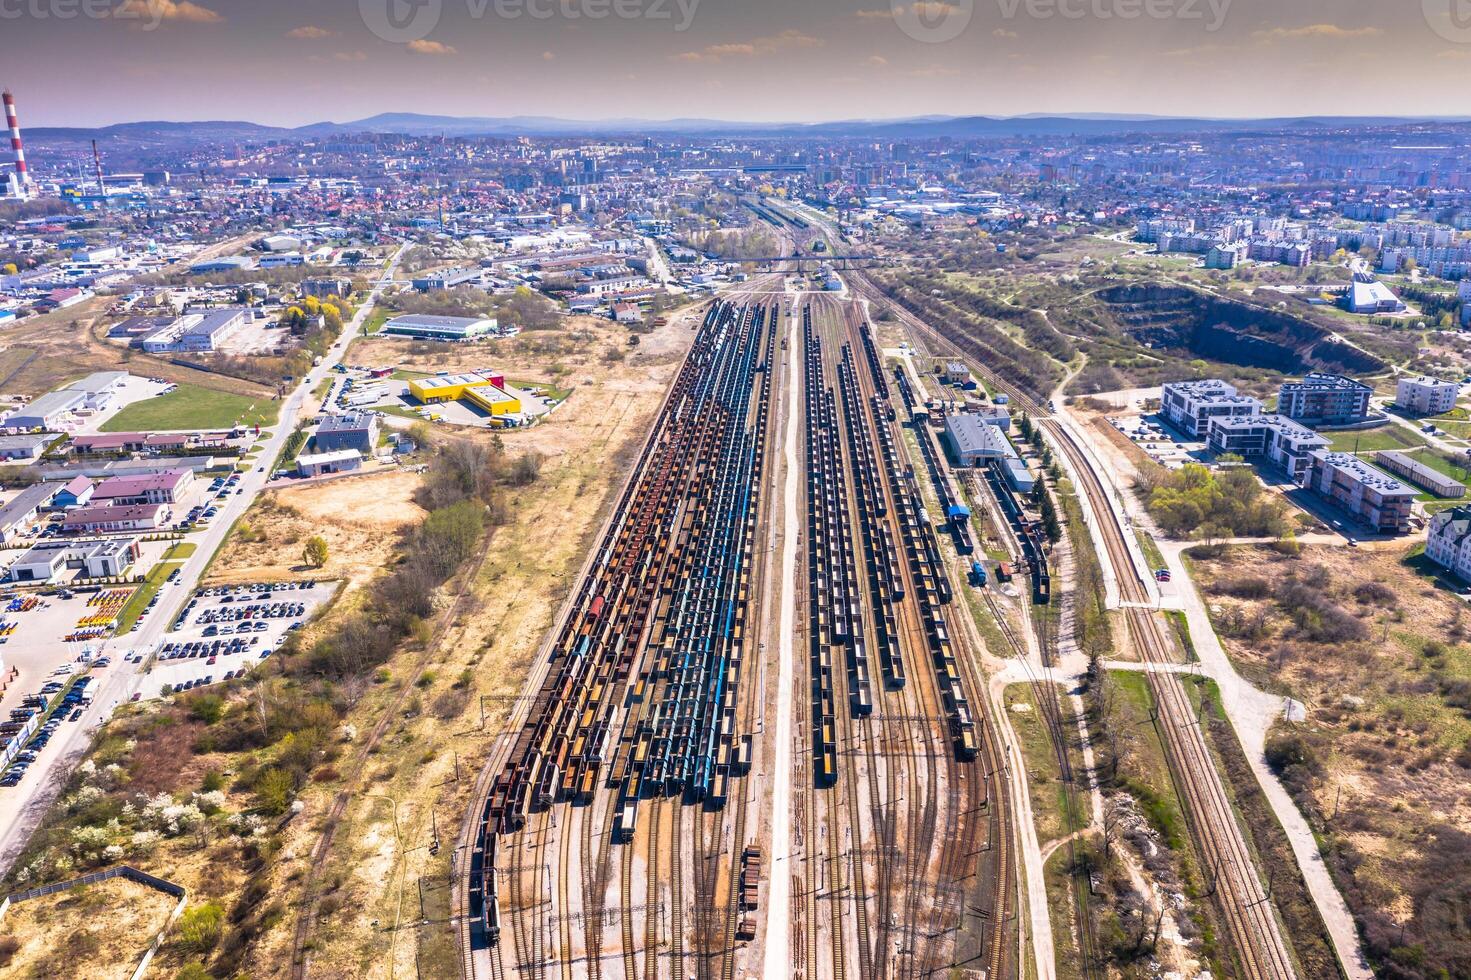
pixel 689 786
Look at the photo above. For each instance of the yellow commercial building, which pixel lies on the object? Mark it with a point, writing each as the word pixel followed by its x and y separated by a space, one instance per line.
pixel 484 391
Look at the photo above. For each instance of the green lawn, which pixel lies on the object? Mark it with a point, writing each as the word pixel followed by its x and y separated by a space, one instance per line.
pixel 375 321
pixel 1373 440
pixel 192 407
pixel 139 600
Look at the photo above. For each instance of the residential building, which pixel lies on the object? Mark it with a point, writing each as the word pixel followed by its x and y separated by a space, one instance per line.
pixel 1224 256
pixel 1407 466
pixel 153 488
pixel 357 431
pixel 956 373
pixel 1371 497
pixel 333 288
pixel 1426 396
pixel 104 518
pixel 1275 438
pixel 1190 405
pixel 448 328
pixel 1449 542
pixel 627 313
pixel 1324 399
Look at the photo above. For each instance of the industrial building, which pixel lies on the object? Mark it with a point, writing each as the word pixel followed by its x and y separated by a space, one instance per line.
pixel 357 431
pixel 433 282
pixel 1449 542
pixel 195 332
pixel 1191 405
pixel 1371 296
pixel 74 493
pixel 1276 438
pixel 1372 497
pixel 1324 399
pixel 46 412
pixel 448 328
pixel 975 441
pixel 24 448
pixel 1406 466
pixel 17 515
pixel 318 464
pixel 331 288
pixel 99 558
pixel 484 391
pixel 1426 396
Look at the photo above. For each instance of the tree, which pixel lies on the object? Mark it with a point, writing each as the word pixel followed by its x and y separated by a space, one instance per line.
pixel 1050 523
pixel 275 789
pixel 315 551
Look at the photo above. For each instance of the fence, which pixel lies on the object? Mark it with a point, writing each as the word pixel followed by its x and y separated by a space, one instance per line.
pixel 121 871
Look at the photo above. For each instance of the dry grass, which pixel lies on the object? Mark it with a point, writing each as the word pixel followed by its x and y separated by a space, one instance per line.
pixel 99 931
pixel 359 517
pixel 1384 724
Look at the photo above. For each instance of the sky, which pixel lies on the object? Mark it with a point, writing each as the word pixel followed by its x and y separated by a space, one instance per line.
pixel 292 62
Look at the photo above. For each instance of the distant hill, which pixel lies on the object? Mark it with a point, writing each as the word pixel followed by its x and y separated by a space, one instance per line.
pixel 922 127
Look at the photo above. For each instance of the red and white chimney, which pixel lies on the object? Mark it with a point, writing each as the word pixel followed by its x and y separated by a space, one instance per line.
pixel 13 122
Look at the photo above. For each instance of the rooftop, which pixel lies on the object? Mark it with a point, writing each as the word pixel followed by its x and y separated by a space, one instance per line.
pixel 1365 474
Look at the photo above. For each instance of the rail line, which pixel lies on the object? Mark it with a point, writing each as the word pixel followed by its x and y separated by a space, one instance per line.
pixel 1243 901
pixel 637 699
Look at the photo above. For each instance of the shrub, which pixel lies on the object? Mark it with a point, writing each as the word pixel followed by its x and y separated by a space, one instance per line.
pixel 200 927
pixel 1288 750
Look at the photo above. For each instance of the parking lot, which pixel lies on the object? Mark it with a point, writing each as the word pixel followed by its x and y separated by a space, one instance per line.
pixel 1163 444
pixel 225 630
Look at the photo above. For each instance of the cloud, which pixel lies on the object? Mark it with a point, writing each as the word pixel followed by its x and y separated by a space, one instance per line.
pixel 350 56
pixel 936 72
pixel 927 10
pixel 309 32
pixel 1002 32
pixel 785 41
pixel 878 61
pixel 431 47
pixel 155 12
pixel 1316 31
pixel 1454 54
pixel 548 56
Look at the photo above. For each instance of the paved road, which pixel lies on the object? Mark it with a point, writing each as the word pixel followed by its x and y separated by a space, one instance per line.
pixel 22 806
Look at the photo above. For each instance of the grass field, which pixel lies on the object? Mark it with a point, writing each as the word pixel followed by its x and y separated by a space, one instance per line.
pixel 139 600
pixel 1373 440
pixel 192 407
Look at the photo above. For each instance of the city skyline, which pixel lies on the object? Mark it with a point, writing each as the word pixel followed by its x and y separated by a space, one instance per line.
pixel 279 64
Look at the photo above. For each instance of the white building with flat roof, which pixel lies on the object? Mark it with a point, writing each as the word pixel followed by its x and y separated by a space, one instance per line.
pixel 1191 405
pixel 1276 438
pixel 1426 396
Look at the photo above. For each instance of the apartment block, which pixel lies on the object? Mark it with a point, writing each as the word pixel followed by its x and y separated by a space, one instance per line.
pixel 1190 405
pixel 1275 438
pixel 1426 396
pixel 1325 399
pixel 1369 496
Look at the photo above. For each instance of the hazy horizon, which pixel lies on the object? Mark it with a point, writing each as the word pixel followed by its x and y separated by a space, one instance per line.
pixel 291 64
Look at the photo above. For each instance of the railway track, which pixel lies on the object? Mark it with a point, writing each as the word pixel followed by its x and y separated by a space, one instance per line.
pixel 876 587
pixel 1241 898
pixel 637 696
